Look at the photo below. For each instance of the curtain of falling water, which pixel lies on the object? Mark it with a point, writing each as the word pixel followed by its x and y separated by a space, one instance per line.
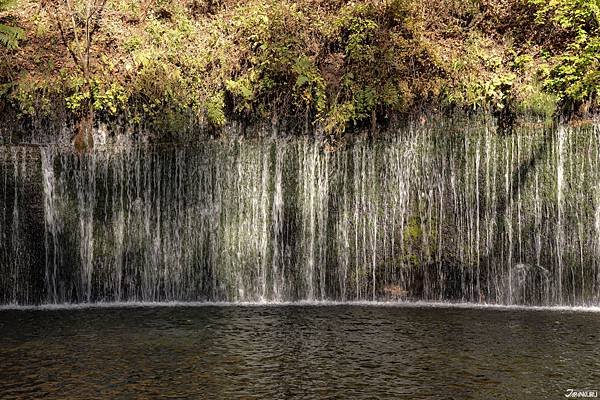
pixel 426 214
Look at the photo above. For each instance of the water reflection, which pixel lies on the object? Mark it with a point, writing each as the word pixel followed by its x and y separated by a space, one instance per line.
pixel 297 352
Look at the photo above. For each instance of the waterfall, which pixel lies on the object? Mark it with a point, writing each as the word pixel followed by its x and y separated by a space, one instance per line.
pixel 426 213
pixel 53 225
pixel 559 209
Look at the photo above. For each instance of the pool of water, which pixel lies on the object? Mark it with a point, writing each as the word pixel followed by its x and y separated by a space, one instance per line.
pixel 297 351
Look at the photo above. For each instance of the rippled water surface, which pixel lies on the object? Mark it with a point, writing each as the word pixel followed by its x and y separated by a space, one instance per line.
pixel 297 351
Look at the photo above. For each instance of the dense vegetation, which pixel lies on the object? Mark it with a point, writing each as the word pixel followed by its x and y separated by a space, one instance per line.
pixel 339 65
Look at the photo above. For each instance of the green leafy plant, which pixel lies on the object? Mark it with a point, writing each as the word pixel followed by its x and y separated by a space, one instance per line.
pixel 310 85
pixel 9 35
pixel 575 77
pixel 215 109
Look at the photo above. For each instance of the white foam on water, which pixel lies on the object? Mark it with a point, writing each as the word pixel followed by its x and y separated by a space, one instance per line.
pixel 390 304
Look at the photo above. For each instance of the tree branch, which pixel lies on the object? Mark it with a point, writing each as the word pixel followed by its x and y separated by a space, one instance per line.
pixel 66 43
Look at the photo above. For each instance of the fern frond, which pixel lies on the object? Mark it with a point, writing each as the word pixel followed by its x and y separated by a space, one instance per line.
pixel 10 36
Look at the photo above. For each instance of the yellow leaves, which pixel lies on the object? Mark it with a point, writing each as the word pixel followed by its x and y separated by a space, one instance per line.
pixel 244 89
pixel 338 117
